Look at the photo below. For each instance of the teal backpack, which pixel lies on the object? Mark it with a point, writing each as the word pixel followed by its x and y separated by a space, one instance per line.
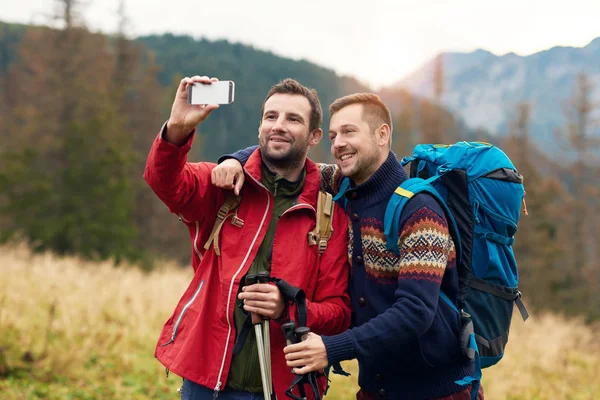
pixel 482 193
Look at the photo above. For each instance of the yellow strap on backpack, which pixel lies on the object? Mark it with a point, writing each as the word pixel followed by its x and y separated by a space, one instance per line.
pixel 231 203
pixel 324 226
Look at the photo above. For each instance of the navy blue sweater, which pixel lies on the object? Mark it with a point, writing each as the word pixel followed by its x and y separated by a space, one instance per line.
pixel 404 337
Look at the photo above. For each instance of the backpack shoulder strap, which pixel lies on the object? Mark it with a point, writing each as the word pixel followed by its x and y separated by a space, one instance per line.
pixel 324 226
pixel 393 211
pixel 339 197
pixel 396 204
pixel 230 203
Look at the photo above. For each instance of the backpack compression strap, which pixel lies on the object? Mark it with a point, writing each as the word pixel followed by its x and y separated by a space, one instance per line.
pixel 324 227
pixel 231 203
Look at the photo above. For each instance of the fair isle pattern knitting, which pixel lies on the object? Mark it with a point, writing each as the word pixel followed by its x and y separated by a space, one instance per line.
pixel 424 243
pixel 331 178
pixel 425 247
pixel 381 264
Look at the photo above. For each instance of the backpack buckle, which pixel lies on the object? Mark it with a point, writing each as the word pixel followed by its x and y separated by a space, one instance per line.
pixel 237 221
pixel 222 213
pixel 322 246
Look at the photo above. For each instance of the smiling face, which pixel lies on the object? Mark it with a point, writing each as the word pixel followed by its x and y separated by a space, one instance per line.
pixel 284 131
pixel 353 144
pixel 360 134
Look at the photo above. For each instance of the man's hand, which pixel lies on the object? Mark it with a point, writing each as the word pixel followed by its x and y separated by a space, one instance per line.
pixel 229 175
pixel 263 299
pixel 185 117
pixel 307 356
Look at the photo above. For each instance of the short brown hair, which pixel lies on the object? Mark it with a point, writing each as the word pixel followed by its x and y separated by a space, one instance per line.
pixel 292 86
pixel 375 112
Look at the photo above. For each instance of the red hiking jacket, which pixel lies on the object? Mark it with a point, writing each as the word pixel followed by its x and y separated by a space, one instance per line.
pixel 197 340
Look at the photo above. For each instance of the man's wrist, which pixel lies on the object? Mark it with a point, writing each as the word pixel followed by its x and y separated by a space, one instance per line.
pixel 226 157
pixel 339 347
pixel 176 133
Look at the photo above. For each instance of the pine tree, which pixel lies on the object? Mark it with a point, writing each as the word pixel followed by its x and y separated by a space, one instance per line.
pixel 537 243
pixel 66 176
pixel 437 125
pixel 578 111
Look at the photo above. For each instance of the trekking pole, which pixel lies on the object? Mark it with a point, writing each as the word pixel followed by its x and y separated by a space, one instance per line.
pixel 289 329
pixel 257 321
pixel 264 277
pixel 301 335
pixel 295 335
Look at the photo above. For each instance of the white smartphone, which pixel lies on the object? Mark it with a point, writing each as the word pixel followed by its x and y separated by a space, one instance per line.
pixel 220 92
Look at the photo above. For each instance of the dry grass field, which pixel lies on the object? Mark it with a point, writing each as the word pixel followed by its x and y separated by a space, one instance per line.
pixel 71 329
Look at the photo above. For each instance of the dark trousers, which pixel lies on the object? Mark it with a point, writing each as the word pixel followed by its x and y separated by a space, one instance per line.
pixel 193 391
pixel 462 395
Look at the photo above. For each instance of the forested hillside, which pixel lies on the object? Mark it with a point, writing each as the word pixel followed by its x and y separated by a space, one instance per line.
pixel 79 111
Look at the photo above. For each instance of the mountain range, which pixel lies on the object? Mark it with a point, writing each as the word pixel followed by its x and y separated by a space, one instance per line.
pixel 484 88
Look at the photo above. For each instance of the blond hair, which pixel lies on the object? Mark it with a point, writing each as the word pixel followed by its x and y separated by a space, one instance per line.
pixel 374 111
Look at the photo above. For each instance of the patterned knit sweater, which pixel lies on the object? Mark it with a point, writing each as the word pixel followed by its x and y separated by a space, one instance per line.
pixel 404 337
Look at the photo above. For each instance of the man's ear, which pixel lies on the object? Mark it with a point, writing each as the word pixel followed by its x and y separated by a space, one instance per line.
pixel 383 135
pixel 259 125
pixel 315 137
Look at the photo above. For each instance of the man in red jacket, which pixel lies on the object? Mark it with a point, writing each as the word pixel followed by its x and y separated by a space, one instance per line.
pixel 268 232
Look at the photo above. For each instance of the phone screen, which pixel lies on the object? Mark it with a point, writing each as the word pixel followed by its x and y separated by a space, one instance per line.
pixel 221 92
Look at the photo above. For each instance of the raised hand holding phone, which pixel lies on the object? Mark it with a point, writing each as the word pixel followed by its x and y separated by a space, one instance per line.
pixel 184 116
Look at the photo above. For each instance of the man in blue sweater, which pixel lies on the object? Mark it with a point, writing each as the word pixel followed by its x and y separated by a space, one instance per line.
pixel 404 337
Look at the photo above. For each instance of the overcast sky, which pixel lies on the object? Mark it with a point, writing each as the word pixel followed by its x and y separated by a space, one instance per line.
pixel 377 41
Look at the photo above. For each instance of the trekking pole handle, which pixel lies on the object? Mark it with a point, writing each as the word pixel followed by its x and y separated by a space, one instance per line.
pixel 288 331
pixel 251 279
pixel 263 277
pixel 302 333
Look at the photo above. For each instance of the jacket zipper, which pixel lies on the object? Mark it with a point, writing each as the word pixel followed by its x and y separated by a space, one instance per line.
pixel 181 218
pixel 262 222
pixel 217 388
pixel 188 304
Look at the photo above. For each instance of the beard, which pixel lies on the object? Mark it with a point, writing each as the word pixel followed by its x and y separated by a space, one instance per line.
pixel 294 156
pixel 364 165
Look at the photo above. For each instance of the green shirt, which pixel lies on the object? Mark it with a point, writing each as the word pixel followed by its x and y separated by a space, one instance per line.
pixel 244 373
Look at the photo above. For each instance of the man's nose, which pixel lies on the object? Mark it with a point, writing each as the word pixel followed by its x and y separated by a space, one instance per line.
pixel 279 125
pixel 338 143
